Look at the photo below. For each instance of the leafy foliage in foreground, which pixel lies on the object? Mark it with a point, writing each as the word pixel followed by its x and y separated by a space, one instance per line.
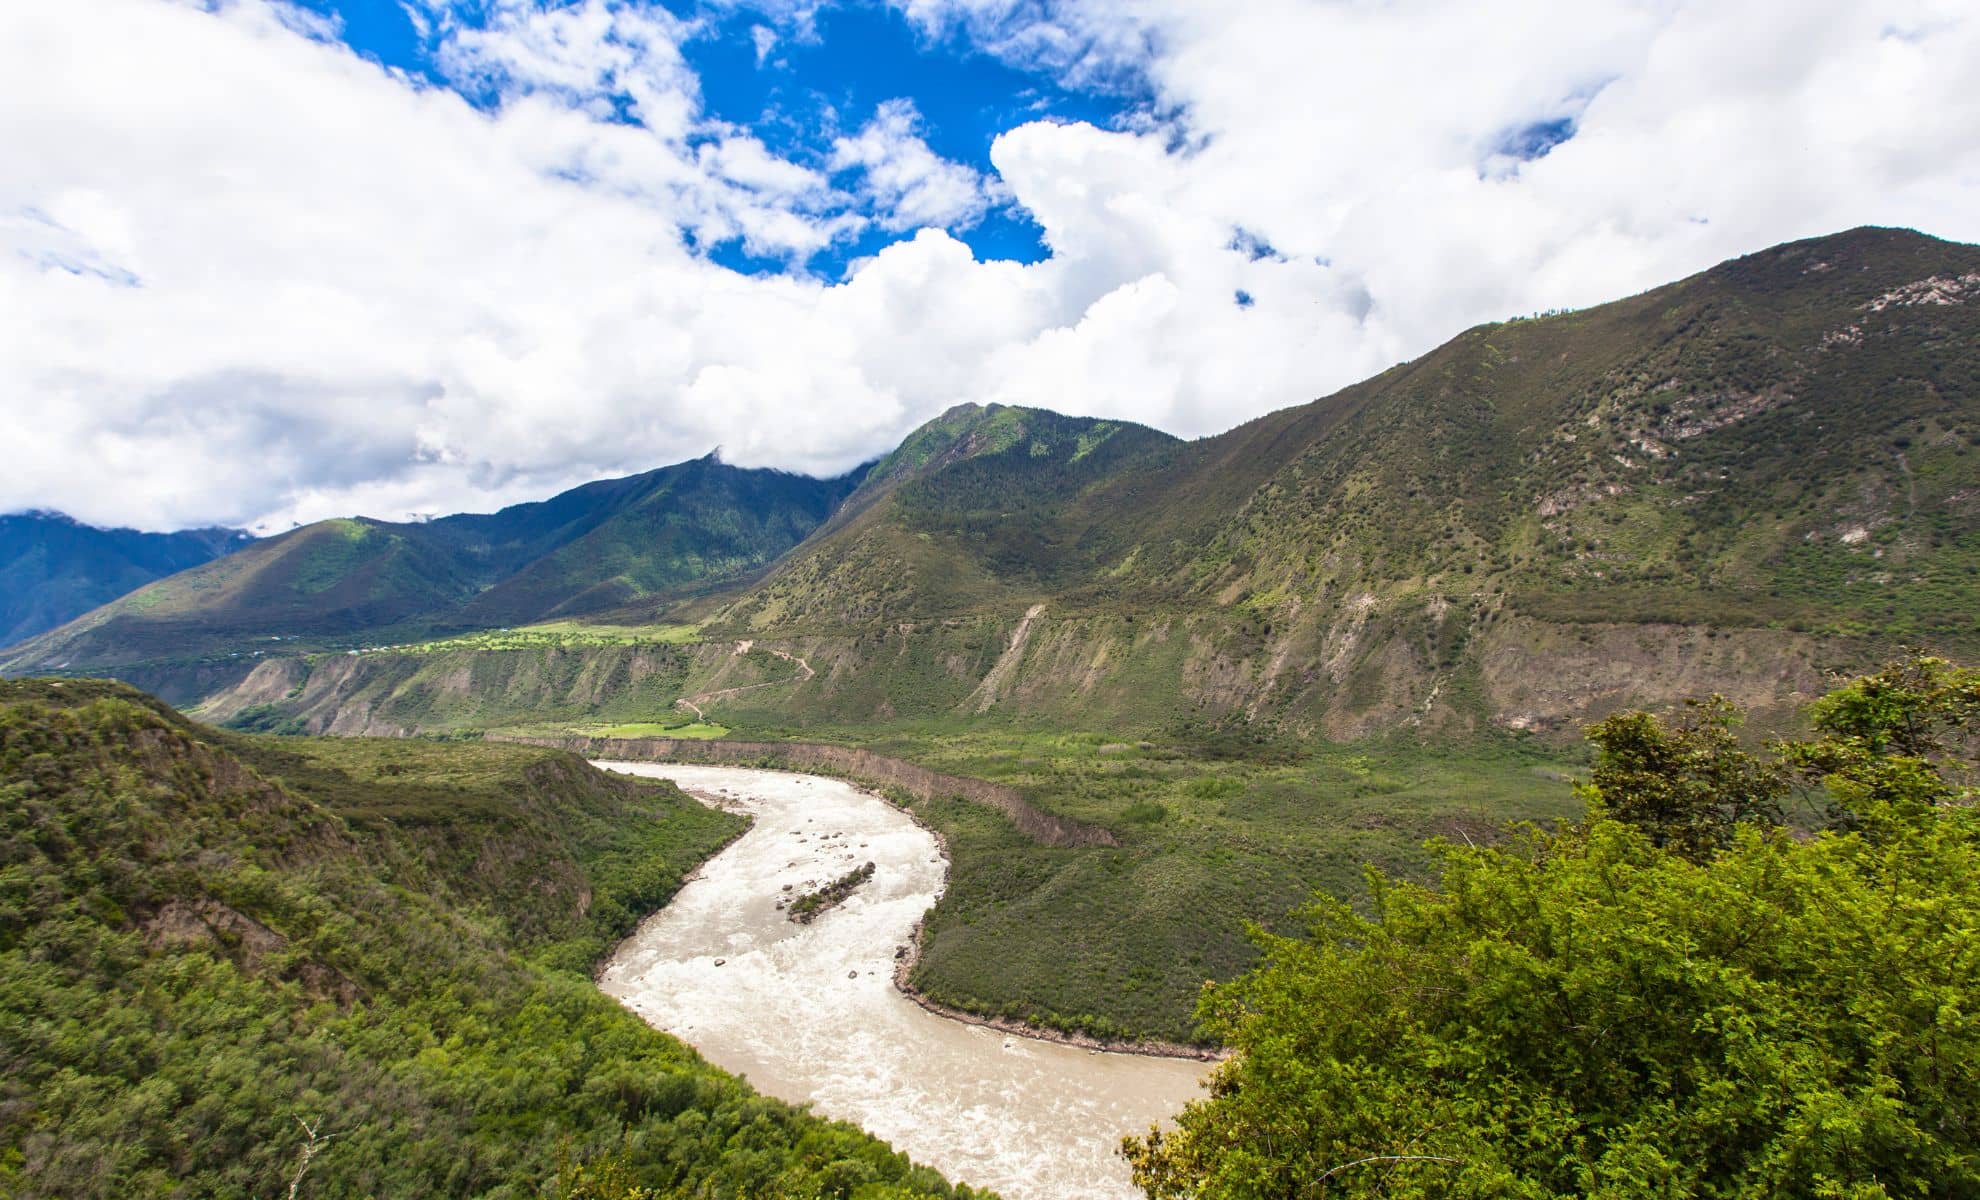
pixel 1593 1015
pixel 196 961
pixel 1687 784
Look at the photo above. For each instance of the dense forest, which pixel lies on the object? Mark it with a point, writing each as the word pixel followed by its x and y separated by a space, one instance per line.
pixel 1706 988
pixel 239 966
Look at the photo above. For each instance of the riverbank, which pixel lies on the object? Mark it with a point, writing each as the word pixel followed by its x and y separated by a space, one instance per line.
pixel 904 966
pixel 844 762
pixel 811 1013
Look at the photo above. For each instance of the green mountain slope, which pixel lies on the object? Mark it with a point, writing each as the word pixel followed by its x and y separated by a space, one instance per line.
pixel 699 523
pixel 210 942
pixel 1786 438
pixel 53 568
pixel 1734 482
pixel 331 578
pixel 594 547
pixel 1739 482
pixel 980 507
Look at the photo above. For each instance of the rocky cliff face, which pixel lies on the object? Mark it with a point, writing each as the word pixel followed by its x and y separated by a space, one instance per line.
pixel 1378 666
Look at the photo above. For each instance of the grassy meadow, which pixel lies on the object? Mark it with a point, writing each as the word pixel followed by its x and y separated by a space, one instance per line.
pixel 698 730
pixel 1215 834
pixel 1118 941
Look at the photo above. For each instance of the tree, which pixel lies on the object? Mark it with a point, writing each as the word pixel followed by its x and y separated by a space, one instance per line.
pixel 1686 783
pixel 607 1178
pixel 1586 1013
pixel 317 1142
pixel 1900 738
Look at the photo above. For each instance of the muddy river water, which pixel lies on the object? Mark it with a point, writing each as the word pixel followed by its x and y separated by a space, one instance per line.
pixel 809 1013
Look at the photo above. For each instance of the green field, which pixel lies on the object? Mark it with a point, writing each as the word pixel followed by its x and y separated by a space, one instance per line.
pixel 1214 834
pixel 699 730
pixel 552 634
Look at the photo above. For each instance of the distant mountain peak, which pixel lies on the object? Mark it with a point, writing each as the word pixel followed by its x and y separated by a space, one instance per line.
pixel 971 430
pixel 45 514
pixel 613 542
pixel 54 567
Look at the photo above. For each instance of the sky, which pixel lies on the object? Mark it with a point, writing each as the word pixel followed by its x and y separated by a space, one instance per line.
pixel 263 263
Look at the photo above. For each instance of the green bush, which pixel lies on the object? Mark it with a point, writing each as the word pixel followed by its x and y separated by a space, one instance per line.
pixel 1589 1014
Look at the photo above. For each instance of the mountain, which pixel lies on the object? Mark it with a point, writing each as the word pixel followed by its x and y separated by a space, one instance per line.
pixel 601 545
pixel 1739 482
pixel 981 507
pixel 219 950
pixel 694 525
pixel 1736 481
pixel 54 568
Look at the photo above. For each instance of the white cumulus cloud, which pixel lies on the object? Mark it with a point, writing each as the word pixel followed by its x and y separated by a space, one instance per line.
pixel 907 184
pixel 248 276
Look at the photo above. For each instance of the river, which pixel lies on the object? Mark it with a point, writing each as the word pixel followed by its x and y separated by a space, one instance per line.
pixel 809 1013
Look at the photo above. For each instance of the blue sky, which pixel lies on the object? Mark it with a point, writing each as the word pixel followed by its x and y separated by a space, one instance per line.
pixel 268 261
pixel 796 81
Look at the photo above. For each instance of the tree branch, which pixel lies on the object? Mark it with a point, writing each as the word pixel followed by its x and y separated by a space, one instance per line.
pixel 313 1147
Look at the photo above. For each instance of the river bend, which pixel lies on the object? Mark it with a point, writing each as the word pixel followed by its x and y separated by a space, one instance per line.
pixel 809 1013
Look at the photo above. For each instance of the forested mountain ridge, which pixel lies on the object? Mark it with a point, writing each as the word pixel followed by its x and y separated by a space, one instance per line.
pixel 601 545
pixel 1739 482
pixel 54 568
pixel 1736 481
pixel 212 944
pixel 981 506
pixel 695 525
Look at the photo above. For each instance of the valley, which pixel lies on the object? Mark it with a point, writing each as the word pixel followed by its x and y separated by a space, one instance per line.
pixel 207 939
pixel 1128 877
pixel 810 1014
pixel 1131 711
pixel 1262 661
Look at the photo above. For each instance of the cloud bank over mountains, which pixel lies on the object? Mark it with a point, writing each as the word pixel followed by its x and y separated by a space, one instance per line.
pixel 248 275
